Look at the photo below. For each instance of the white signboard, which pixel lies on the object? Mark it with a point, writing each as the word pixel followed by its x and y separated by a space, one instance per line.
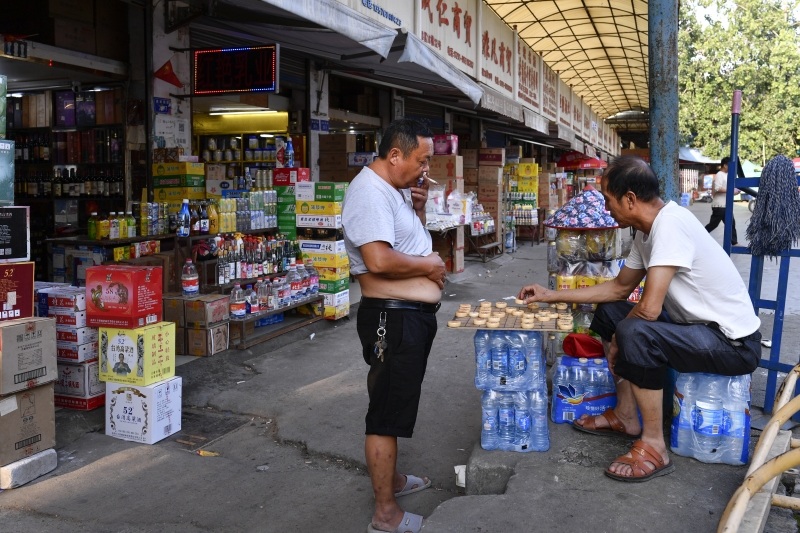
pixel 529 72
pixel 564 104
pixel 577 114
pixel 450 28
pixel 586 131
pixel 549 93
pixel 497 53
pixel 494 101
pixel 593 132
pixel 392 14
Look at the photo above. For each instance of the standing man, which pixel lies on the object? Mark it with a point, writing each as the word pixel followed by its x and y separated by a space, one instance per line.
pixel 711 326
pixel 401 282
pixel 720 189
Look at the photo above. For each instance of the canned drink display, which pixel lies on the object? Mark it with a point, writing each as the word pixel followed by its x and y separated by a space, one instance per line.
pixel 144 225
pixel 206 155
pixel 162 226
pixel 163 210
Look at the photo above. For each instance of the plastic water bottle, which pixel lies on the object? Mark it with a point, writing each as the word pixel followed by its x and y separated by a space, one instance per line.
pixel 489 423
pixel 289 153
pixel 250 300
pixel 577 375
pixel 499 355
pixel 682 431
pixel 184 220
pixel 517 362
pixel 190 281
pixel 560 378
pixel 606 379
pixel 540 435
pixel 313 276
pixel 237 303
pixel 592 387
pixel 482 359
pixel 735 427
pixel 522 420
pixel 533 354
pixel 707 416
pixel 505 414
pixel 295 282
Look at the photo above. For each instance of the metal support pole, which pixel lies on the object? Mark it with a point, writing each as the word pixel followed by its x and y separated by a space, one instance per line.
pixel 148 92
pixel 736 110
pixel 662 30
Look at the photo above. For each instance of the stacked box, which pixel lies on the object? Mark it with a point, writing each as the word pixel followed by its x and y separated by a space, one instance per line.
pixel 446 167
pixel 143 413
pixel 27 423
pixel 78 386
pixel 204 342
pixel 123 296
pixel 16 291
pixel 338 159
pixel 201 322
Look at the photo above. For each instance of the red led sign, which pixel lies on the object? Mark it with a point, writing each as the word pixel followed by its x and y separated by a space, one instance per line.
pixel 236 70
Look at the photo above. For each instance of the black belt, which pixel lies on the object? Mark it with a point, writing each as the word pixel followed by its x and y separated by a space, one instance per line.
pixel 382 303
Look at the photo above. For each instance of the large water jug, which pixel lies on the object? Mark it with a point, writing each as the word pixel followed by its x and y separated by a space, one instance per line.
pixel 489 428
pixel 735 422
pixel 505 413
pixel 707 416
pixel 522 419
pixel 499 355
pixel 482 359
pixel 517 362
pixel 540 439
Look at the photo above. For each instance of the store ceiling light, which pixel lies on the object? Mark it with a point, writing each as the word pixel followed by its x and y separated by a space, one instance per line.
pixel 267 135
pixel 16 95
pixel 216 110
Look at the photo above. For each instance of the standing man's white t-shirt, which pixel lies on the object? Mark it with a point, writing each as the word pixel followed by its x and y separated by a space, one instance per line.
pixel 706 287
pixel 720 199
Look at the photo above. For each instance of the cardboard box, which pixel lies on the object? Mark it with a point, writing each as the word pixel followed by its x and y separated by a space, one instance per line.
pixel 112 44
pixel 471 189
pixel 320 191
pixel 339 142
pixel 337 299
pixel 208 341
pixel 16 290
pixel 74 35
pixel 236 332
pixel 177 194
pixel 67 335
pixel 215 172
pixel 175 309
pixel 137 356
pixel 79 387
pixel 108 15
pixel 335 313
pixel 470 158
pixel 184 180
pixel 65 109
pixel 123 296
pixel 489 175
pixel 286 194
pixel 332 287
pixel 81 10
pixel 40 302
pixel 27 354
pixel 215 188
pixel 335 260
pixel 27 423
pixel 527 170
pixel 333 274
pixel 333 161
pixel 494 209
pixel 290 176
pixel 445 144
pixel 318 221
pixel 445 167
pixel 471 176
pixel 203 311
pixel 492 157
pixel 339 176
pixel 549 167
pixel 322 247
pixel 76 353
pixel 489 193
pixel 180 341
pixel 145 414
pixel 361 159
pixel 67 318
pixel 179 169
pixel 318 208
pixel 513 152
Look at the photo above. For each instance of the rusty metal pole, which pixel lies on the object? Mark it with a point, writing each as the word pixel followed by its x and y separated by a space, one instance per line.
pixel 663 84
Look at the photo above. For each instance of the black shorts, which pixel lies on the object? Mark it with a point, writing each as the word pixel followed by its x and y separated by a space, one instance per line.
pixel 395 384
pixel 647 348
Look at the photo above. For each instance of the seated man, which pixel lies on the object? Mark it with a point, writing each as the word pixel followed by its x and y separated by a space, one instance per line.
pixel 709 324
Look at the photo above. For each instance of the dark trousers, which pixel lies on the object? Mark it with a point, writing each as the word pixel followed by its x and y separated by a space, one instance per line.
pixel 647 348
pixel 717 216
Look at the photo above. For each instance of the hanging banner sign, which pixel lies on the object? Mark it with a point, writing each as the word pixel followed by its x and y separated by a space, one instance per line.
pixel 577 114
pixel 593 133
pixel 236 70
pixel 564 104
pixel 451 29
pixel 494 101
pixel 497 53
pixel 535 121
pixel 529 72
pixel 586 131
pixel 549 93
pixel 392 14
pixel 590 151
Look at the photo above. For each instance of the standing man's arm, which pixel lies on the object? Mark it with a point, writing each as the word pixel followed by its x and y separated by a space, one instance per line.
pixel 617 289
pixel 419 197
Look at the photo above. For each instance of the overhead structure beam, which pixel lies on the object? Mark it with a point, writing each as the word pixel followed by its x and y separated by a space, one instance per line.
pixel 663 60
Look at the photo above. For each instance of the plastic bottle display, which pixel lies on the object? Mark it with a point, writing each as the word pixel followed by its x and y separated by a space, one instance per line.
pixel 250 300
pixel 131 223
pixel 91 227
pixel 184 220
pixel 515 421
pixel 237 303
pixel 581 386
pixel 711 418
pixel 190 281
pixel 313 277
pixel 508 360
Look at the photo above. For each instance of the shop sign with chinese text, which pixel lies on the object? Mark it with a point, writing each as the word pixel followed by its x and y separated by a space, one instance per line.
pixel 451 28
pixel 564 104
pixel 586 131
pixel 392 14
pixel 549 93
pixel 577 114
pixel 529 72
pixel 497 53
pixel 593 132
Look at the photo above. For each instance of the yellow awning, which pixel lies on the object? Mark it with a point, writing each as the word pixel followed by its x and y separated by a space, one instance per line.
pixel 599 47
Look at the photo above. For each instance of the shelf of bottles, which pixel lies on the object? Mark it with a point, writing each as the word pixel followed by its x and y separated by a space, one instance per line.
pixel 249 150
pixel 84 163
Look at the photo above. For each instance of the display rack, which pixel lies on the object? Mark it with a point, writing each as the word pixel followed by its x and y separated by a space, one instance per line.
pixel 290 322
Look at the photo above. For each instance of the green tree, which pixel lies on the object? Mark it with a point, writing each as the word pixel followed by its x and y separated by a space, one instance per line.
pixel 750 45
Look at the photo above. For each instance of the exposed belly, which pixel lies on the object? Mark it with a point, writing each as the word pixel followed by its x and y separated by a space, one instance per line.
pixel 419 289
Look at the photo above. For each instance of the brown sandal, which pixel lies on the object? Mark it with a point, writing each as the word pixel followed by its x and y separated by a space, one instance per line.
pixel 642 454
pixel 616 426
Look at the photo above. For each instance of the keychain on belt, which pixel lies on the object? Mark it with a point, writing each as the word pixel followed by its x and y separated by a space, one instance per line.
pixel 380 344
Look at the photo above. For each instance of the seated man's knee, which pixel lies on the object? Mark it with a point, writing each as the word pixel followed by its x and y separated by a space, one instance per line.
pixel 632 332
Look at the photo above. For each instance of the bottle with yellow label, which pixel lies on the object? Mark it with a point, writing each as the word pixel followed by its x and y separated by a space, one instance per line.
pixel 123 225
pixel 587 275
pixel 213 218
pixel 103 229
pixel 566 278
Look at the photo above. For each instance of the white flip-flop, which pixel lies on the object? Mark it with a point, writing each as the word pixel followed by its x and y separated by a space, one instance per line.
pixel 410 522
pixel 410 482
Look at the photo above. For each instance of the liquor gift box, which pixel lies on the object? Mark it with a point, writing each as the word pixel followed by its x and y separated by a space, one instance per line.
pixel 79 387
pixel 27 354
pixel 123 296
pixel 145 414
pixel 16 290
pixel 137 356
pixel 27 424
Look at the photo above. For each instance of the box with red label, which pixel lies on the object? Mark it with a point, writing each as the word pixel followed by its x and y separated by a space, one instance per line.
pixel 70 298
pixel 67 317
pixel 490 175
pixel 137 356
pixel 290 176
pixel 445 144
pixel 206 310
pixel 68 335
pixel 27 424
pixel 446 167
pixel 27 354
pixel 471 176
pixel 470 158
pixel 123 296
pixel 492 157
pixel 79 387
pixel 16 290
pixel 76 353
